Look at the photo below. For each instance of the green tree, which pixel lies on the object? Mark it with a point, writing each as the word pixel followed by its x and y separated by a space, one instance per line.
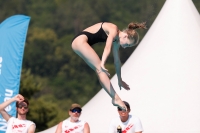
pixel 29 84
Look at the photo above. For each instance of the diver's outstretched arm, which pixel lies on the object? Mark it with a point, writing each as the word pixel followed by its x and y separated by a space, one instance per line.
pixel 117 62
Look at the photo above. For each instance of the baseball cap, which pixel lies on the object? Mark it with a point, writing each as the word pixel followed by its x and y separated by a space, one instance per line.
pixel 75 105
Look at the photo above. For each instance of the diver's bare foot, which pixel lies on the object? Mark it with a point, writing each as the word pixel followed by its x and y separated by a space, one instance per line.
pixel 119 103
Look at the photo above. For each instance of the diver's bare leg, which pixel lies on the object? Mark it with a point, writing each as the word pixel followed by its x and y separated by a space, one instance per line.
pixel 106 84
pixel 85 51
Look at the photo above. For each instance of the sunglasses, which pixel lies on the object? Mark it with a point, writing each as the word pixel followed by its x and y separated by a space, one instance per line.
pixel 119 109
pixel 21 106
pixel 76 110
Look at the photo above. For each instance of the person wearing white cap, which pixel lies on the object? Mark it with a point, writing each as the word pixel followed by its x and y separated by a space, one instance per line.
pixel 73 124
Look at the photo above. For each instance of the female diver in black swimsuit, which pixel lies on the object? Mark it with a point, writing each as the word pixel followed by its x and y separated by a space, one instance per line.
pixel 114 38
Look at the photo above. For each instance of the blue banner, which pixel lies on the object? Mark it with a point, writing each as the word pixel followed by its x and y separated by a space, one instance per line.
pixel 13 33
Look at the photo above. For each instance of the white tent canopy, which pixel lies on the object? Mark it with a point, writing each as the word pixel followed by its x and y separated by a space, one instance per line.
pixel 164 76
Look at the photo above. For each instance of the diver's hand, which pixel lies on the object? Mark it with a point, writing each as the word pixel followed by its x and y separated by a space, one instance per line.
pixel 105 70
pixel 124 85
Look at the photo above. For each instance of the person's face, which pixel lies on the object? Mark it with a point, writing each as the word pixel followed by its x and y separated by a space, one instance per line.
pixel 22 108
pixel 75 114
pixel 124 41
pixel 123 113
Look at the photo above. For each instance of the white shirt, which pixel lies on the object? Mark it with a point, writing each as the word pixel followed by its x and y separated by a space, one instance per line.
pixel 73 127
pixel 132 125
pixel 15 125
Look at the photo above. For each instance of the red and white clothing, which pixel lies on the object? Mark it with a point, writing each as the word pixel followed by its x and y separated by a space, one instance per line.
pixel 73 127
pixel 132 125
pixel 15 125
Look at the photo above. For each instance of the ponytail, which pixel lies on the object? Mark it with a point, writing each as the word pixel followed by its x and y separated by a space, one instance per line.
pixel 133 26
pixel 131 31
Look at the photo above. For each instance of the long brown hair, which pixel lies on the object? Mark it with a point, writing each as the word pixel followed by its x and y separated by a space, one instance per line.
pixel 131 30
pixel 133 25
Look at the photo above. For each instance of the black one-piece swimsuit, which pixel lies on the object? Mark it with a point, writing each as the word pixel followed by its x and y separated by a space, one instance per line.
pixel 99 36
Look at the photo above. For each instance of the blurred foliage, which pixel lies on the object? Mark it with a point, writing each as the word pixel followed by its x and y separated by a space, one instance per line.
pixel 29 84
pixel 53 76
